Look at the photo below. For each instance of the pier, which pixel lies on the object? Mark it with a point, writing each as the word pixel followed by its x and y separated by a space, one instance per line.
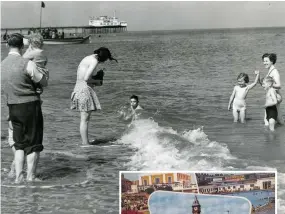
pixel 70 31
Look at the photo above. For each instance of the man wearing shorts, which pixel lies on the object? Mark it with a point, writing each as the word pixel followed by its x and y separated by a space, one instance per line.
pixel 19 77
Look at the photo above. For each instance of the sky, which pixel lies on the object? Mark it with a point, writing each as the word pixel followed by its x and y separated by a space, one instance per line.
pixel 146 15
pixel 181 203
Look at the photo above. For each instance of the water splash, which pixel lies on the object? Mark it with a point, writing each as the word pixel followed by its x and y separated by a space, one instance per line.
pixel 163 148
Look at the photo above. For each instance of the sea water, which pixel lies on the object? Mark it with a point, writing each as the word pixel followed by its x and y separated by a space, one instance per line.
pixel 184 80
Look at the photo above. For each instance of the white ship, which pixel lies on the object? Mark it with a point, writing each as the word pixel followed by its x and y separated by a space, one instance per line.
pixel 105 21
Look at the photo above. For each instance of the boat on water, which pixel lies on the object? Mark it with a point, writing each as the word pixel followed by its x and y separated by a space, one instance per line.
pixel 105 21
pixel 65 41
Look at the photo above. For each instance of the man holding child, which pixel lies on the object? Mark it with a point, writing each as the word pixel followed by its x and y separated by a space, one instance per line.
pixel 19 79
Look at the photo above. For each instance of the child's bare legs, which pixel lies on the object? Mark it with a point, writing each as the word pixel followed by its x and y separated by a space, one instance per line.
pixel 235 114
pixel 85 117
pixel 265 119
pixel 271 124
pixel 242 114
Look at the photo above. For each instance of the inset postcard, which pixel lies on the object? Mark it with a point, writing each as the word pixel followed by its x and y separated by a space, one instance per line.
pixel 198 193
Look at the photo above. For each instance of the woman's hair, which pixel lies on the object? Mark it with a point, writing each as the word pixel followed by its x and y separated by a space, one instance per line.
pixel 16 40
pixel 36 40
pixel 244 76
pixel 272 57
pixel 104 54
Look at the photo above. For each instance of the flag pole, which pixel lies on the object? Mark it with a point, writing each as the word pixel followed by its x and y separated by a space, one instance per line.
pixel 41 17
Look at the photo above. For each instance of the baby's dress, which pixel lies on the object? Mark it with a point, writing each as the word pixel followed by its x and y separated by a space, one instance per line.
pixel 39 58
pixel 84 98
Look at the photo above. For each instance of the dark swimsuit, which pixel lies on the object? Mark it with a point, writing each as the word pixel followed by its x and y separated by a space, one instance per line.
pixel 271 112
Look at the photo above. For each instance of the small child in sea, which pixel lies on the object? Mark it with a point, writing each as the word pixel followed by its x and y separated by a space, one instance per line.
pixel 134 110
pixel 36 54
pixel 271 101
pixel 237 100
pixel 135 107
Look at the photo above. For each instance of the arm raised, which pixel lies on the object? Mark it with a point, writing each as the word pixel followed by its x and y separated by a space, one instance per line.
pixel 255 81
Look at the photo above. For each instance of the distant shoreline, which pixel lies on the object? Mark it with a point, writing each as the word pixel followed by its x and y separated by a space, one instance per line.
pixel 212 29
pixel 137 31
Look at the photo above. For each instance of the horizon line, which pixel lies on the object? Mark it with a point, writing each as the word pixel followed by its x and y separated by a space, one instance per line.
pixel 154 30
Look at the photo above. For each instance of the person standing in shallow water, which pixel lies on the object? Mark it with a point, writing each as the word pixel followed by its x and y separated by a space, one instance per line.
pixel 83 97
pixel 19 77
pixel 269 60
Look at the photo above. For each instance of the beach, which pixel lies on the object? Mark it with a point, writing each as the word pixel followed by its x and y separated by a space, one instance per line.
pixel 184 80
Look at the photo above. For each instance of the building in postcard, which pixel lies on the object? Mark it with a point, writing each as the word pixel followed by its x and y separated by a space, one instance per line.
pixel 179 182
pixel 238 183
pixel 205 178
pixel 265 183
pixel 125 184
pixel 196 207
pixel 233 178
pixel 164 178
pixel 134 188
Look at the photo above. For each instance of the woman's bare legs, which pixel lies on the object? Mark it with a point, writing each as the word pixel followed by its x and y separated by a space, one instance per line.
pixel 85 117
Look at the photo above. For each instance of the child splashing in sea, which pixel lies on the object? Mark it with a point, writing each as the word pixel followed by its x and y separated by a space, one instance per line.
pixel 133 112
pixel 237 100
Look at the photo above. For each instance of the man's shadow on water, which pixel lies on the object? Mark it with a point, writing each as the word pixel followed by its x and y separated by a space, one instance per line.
pixel 103 141
pixel 69 171
pixel 57 172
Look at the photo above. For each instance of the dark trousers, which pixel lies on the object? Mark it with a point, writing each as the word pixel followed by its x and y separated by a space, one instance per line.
pixel 27 121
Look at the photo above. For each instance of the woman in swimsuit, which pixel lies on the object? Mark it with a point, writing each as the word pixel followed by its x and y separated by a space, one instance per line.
pixel 269 61
pixel 237 100
pixel 83 97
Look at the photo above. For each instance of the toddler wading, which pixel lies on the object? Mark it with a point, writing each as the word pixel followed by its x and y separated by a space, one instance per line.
pixel 237 100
